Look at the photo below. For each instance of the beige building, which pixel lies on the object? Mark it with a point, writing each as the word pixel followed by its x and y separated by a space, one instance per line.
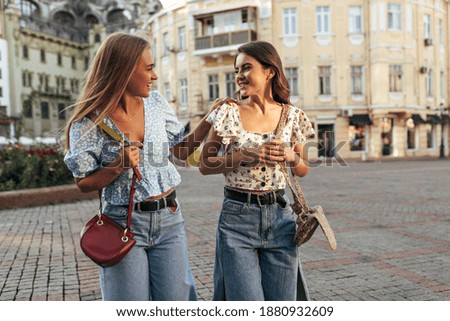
pixel 46 47
pixel 371 75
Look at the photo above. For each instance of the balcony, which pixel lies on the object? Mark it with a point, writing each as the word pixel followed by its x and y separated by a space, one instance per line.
pixel 222 42
pixel 79 35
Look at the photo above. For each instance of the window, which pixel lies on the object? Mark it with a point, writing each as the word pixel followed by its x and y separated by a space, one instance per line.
pixel 1 91
pixel 74 83
pixel 290 21
pixel 61 112
pixel 0 74
pixel 357 137
pixel 357 80
pixel 441 32
pixel 429 83
pixel 411 134
pixel 325 80
pixel 394 16
pixel 86 63
pixel 46 82
pixel 355 20
pixel 323 20
pixel 27 109
pixel 155 52
pixel 97 38
pixel 28 8
pixel 167 92
pixel 430 135
pixel 442 85
pixel 292 77
pixel 213 81
pixel 25 51
pixel 230 84
pixel 395 78
pixel 165 44
pixel 43 55
pixel 183 94
pixel 26 79
pixel 45 113
pixel 59 59
pixel 74 62
pixel 427 26
pixel 182 39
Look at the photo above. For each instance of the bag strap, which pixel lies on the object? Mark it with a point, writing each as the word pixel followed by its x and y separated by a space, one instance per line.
pixel 136 175
pixel 114 135
pixel 295 189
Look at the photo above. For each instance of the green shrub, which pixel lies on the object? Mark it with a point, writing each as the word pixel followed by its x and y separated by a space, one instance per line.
pixel 37 167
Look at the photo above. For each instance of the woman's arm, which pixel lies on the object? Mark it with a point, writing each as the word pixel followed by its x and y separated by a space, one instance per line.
pixel 193 140
pixel 210 163
pixel 295 158
pixel 127 158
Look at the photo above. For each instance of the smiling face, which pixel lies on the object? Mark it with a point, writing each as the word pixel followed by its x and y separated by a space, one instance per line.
pixel 251 77
pixel 141 80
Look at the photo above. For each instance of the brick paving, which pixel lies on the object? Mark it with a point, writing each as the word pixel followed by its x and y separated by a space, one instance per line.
pixel 391 221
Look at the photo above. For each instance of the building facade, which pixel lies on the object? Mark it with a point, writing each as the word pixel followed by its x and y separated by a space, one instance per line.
pixel 47 47
pixel 372 76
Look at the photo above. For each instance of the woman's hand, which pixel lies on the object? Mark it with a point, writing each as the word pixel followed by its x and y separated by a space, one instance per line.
pixel 269 153
pixel 219 102
pixel 129 156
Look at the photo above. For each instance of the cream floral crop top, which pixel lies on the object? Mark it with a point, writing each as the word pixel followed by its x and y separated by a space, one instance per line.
pixel 227 124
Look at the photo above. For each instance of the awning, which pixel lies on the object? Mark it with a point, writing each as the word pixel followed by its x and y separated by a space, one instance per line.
pixel 417 119
pixel 360 120
pixel 433 119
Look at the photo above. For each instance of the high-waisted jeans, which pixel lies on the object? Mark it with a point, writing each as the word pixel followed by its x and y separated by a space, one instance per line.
pixel 256 256
pixel 157 268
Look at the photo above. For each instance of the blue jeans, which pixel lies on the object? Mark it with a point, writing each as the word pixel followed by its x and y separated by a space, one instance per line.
pixel 256 257
pixel 157 268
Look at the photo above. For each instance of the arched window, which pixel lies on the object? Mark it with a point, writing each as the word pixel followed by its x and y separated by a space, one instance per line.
pixel 118 16
pixel 91 20
pixel 28 8
pixel 64 18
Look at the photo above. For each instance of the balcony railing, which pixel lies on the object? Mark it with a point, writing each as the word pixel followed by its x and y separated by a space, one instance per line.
pixel 224 39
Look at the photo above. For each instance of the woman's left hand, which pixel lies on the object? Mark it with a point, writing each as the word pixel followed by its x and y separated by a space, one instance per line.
pixel 277 150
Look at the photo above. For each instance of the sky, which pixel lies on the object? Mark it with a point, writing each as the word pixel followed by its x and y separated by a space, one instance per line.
pixel 168 3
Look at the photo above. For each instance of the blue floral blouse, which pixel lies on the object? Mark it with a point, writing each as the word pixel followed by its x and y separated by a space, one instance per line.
pixel 90 149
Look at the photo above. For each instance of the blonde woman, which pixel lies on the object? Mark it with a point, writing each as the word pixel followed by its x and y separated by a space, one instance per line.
pixel 256 257
pixel 117 91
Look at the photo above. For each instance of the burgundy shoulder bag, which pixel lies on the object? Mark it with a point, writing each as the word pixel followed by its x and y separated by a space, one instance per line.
pixel 102 239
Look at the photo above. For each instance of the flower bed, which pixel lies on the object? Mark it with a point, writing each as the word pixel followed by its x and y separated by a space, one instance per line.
pixel 22 168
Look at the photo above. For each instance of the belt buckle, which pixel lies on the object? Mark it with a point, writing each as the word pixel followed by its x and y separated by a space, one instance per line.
pixel 158 203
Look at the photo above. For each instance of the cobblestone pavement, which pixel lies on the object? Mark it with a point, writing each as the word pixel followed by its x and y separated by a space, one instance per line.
pixel 391 222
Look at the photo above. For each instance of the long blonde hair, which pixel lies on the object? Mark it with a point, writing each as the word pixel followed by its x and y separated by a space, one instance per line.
pixel 107 77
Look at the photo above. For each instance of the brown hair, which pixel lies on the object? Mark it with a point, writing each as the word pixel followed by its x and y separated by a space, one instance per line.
pixel 108 76
pixel 266 54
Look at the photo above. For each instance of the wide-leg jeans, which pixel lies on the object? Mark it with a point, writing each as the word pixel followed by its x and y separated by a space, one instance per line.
pixel 157 268
pixel 256 256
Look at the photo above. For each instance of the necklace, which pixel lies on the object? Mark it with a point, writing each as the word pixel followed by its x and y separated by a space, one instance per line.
pixel 126 120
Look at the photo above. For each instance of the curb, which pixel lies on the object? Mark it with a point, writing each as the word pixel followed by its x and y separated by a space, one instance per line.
pixel 43 196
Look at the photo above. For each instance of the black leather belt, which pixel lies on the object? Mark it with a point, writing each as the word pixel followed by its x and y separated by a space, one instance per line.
pixel 157 204
pixel 260 198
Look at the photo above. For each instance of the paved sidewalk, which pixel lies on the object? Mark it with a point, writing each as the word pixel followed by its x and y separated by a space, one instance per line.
pixel 391 222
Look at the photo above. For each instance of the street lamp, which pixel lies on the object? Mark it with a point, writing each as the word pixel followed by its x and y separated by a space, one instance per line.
pixel 442 112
